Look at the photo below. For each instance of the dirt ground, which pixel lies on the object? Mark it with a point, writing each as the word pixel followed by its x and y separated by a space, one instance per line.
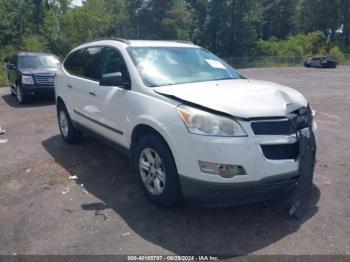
pixel 42 211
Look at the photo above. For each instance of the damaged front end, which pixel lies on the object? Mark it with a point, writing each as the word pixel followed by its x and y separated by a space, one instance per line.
pixel 296 200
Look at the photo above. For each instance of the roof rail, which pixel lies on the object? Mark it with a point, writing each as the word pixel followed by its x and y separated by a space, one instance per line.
pixel 34 52
pixel 120 40
pixel 183 41
pixel 109 38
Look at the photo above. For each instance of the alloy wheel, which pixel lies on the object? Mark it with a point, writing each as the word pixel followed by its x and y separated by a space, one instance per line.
pixel 152 171
pixel 63 123
pixel 19 94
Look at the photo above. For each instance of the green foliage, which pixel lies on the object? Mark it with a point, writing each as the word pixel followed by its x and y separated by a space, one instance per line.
pixel 316 43
pixel 3 76
pixel 34 43
pixel 278 17
pixel 230 28
pixel 336 53
pixel 300 45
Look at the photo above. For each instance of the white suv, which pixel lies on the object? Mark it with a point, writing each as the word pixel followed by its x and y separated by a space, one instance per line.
pixel 192 126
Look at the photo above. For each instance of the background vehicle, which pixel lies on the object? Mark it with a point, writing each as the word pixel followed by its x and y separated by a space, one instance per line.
pixel 32 74
pixel 190 123
pixel 321 62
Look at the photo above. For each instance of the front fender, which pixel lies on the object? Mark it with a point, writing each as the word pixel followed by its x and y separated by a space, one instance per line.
pixel 159 127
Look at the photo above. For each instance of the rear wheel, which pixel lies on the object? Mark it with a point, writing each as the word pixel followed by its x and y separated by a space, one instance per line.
pixel 157 171
pixel 69 133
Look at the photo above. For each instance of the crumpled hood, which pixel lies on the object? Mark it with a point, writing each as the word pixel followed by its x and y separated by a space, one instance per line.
pixel 241 98
pixel 39 71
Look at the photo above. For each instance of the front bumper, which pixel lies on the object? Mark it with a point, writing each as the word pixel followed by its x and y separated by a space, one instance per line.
pixel 241 151
pixel 218 194
pixel 265 179
pixel 262 154
pixel 38 90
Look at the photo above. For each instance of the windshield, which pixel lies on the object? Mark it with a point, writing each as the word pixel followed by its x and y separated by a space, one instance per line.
pixel 28 62
pixel 159 66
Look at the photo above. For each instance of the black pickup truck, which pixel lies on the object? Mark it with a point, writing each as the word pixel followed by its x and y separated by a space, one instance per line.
pixel 32 74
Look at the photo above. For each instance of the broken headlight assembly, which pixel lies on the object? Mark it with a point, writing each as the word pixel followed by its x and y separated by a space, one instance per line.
pixel 200 122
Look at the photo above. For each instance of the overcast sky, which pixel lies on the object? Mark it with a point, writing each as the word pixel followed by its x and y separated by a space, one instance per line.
pixel 77 2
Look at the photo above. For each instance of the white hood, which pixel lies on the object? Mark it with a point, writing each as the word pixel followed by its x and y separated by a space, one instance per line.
pixel 241 98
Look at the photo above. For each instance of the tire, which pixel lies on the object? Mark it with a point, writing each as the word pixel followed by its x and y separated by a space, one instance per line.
pixel 165 182
pixel 69 133
pixel 20 95
pixel 12 93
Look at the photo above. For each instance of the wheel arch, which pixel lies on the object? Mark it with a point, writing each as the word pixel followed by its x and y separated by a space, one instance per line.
pixel 59 101
pixel 141 130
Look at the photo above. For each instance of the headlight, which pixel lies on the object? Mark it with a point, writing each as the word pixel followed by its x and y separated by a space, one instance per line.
pixel 203 123
pixel 27 80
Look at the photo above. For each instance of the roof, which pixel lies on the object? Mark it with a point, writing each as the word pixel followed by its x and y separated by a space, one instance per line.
pixel 143 43
pixel 151 43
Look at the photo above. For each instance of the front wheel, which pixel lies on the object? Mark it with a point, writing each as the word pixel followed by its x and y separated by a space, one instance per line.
pixel 12 91
pixel 68 132
pixel 157 171
pixel 20 95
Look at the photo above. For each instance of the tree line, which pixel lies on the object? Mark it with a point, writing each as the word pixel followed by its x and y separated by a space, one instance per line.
pixel 229 28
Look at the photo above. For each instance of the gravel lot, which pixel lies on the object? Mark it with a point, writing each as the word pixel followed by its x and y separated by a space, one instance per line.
pixel 105 212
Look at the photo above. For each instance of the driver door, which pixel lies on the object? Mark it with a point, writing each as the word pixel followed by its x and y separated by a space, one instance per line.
pixel 111 101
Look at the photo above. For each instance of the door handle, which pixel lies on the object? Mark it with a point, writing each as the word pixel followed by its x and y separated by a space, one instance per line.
pixel 92 93
pixel 69 86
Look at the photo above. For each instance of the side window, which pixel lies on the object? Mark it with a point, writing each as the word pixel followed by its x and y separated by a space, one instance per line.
pixel 114 62
pixel 73 63
pixel 92 63
pixel 14 60
pixel 85 63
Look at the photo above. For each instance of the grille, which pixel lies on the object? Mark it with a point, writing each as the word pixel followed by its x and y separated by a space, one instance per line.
pixel 44 80
pixel 281 152
pixel 284 126
pixel 273 127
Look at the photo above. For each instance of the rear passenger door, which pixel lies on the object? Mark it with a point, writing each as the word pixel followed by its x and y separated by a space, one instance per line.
pixel 85 70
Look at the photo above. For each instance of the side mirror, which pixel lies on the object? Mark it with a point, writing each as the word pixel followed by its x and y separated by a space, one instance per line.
pixel 114 79
pixel 11 66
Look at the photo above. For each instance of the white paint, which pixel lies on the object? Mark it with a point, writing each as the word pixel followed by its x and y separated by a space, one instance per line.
pixel 125 109
pixel 240 98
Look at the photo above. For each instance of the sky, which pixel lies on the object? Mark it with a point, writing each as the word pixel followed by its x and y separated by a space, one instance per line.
pixel 77 2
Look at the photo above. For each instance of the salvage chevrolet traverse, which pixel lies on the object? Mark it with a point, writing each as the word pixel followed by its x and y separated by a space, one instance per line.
pixel 192 126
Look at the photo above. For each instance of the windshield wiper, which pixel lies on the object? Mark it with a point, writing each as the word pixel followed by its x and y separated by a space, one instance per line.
pixel 170 84
pixel 180 83
pixel 226 78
